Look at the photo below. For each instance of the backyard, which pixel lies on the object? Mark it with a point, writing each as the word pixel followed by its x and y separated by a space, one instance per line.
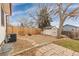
pixel 36 42
pixel 40 29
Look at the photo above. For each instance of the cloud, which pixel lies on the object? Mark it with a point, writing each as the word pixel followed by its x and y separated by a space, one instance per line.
pixel 55 24
pixel 72 21
pixel 26 10
pixel 17 13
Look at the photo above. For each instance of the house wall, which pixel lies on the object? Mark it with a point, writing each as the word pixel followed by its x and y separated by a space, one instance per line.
pixel 2 28
pixel 71 31
pixel 68 28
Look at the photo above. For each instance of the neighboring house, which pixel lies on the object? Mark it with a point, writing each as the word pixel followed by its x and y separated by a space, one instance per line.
pixel 5 11
pixel 52 31
pixel 70 27
pixel 71 30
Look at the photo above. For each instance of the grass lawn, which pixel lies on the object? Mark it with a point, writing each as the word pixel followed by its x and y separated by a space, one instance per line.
pixel 71 44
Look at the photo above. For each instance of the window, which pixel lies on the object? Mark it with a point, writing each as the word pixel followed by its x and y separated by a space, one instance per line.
pixel 2 17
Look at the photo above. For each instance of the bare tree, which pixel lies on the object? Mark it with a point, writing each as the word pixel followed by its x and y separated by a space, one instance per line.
pixel 43 16
pixel 64 14
pixel 25 22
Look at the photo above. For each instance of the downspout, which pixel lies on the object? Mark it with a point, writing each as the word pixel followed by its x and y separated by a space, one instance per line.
pixel 6 22
pixel 6 36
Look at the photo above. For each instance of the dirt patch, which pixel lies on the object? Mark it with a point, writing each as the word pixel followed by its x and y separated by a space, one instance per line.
pixel 42 38
pixel 20 45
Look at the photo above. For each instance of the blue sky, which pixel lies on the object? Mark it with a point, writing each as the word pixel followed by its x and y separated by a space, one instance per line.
pixel 20 10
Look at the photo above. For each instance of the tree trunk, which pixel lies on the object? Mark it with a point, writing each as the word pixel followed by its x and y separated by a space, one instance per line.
pixel 60 30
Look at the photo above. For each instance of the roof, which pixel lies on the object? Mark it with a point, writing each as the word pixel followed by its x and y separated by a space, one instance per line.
pixel 50 27
pixel 71 26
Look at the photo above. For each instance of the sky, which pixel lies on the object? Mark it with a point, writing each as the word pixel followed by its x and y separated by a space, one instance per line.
pixel 20 10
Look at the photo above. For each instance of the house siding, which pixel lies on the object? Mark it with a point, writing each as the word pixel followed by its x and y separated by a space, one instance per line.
pixel 2 28
pixel 68 28
pixel 71 31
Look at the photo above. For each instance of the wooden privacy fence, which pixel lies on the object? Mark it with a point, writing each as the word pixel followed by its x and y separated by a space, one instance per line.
pixel 23 31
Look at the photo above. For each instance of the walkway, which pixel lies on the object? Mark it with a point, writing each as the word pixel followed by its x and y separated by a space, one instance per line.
pixel 55 50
